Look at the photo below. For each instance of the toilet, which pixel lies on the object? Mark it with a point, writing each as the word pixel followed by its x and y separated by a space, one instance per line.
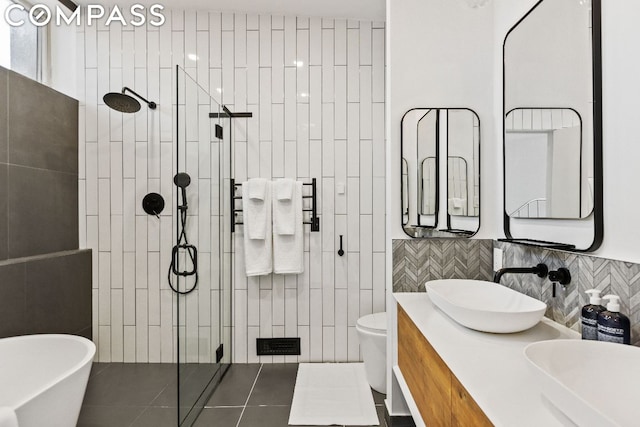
pixel 372 333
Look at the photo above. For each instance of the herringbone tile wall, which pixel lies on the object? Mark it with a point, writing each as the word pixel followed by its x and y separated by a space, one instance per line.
pixel 419 260
pixel 587 272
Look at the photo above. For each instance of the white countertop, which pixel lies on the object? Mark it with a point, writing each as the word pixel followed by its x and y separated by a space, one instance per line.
pixel 492 367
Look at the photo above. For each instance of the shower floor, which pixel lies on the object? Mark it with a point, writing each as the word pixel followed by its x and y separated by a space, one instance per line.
pixel 144 395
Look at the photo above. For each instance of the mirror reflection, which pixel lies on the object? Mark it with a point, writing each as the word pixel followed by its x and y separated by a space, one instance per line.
pixel 548 96
pixel 440 197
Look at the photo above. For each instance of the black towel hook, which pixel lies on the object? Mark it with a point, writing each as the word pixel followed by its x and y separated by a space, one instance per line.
pixel 340 251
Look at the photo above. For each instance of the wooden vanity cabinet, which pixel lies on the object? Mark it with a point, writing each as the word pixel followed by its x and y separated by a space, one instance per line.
pixel 441 399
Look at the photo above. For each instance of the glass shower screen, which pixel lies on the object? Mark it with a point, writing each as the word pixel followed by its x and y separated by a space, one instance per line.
pixel 201 257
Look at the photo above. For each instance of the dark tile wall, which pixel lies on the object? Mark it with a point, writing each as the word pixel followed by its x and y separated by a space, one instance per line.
pixel 45 281
pixel 416 261
pixel 38 168
pixel 46 294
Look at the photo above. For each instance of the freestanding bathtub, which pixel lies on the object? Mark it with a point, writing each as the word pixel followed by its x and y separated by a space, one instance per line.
pixel 43 378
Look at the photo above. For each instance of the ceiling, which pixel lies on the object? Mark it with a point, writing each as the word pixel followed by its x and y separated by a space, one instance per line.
pixel 373 10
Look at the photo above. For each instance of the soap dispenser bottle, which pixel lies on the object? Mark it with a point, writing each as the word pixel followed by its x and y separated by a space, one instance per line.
pixel 590 315
pixel 614 326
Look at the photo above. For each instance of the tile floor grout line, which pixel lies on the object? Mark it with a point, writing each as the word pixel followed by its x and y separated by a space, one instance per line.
pixel 249 396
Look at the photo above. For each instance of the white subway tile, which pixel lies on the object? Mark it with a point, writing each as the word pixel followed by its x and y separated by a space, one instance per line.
pixel 353 213
pixel 378 66
pixel 365 103
pixel 277 154
pixel 302 118
pixel 240 326
pixel 215 40
pixel 265 40
pixel 353 65
pixel 129 349
pixel 117 328
pixel 366 252
pixel 328 344
pixel 315 261
pixel 366 302
pixel 379 212
pixel 290 58
pixel 240 42
pixel 104 288
pixel 228 72
pixel 378 145
pixel 278 315
pixel 315 327
pixel 142 332
pixel 265 104
pixel 104 215
pixel 353 140
pixel 327 212
pixel 315 102
pixel 354 345
pixel 303 66
pixel 341 262
pixel 129 288
pixel 304 292
pixel 340 100
pixel 265 159
pixel 353 289
pixel 141 252
pixel 328 289
pixel 153 269
pixel 253 22
pixel 315 41
pixel 277 67
pixel 227 21
pixel 379 292
pixel 365 42
pixel 91 160
pixel 290 118
pixel 104 344
pixel 327 66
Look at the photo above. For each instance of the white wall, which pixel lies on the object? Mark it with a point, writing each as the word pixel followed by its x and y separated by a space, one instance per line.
pixel 439 55
pixel 323 119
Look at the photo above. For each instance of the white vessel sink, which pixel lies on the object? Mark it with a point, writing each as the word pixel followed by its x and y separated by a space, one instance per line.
pixel 485 306
pixel 593 383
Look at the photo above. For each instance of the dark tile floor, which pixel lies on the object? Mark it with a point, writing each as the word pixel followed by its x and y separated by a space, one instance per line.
pixel 143 395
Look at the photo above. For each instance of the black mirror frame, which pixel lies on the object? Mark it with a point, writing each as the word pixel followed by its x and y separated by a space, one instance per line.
pixel 598 205
pixel 455 233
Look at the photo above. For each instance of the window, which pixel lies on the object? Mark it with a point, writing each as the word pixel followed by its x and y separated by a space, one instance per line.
pixel 20 47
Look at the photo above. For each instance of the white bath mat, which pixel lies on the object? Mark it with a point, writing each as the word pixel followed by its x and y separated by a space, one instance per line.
pixel 332 394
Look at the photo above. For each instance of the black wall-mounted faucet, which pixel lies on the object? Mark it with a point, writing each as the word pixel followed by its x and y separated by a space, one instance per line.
pixel 540 270
pixel 562 276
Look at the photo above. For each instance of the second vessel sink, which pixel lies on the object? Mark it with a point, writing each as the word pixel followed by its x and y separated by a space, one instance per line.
pixel 485 306
pixel 593 383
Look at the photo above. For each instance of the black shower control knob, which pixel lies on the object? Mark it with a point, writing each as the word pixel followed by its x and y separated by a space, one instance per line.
pixel 561 275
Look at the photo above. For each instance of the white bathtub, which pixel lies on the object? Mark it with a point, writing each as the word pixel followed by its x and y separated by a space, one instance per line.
pixel 43 378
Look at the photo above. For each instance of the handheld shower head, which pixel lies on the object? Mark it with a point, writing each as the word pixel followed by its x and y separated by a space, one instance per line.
pixel 182 181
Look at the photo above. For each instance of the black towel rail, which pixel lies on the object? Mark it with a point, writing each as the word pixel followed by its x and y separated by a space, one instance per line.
pixel 314 220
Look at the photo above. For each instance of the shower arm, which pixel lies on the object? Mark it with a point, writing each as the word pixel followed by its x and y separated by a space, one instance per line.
pixel 151 104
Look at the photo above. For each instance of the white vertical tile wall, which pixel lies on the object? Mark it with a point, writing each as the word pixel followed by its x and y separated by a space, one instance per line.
pixel 316 89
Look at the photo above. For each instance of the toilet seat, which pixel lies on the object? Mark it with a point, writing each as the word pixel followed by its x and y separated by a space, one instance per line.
pixel 373 323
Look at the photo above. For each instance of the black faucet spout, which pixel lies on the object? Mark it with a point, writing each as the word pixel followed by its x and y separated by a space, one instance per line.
pixel 541 270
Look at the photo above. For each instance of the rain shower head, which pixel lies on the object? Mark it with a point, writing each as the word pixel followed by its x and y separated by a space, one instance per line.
pixel 125 103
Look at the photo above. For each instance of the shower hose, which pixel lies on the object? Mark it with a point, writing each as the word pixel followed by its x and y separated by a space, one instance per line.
pixel 191 251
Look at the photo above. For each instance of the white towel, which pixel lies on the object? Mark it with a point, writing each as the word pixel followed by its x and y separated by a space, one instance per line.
pixel 284 207
pixel 288 249
pixel 8 417
pixel 256 207
pixel 258 253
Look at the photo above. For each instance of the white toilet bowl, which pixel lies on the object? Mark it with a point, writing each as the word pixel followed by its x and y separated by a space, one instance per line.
pixel 372 333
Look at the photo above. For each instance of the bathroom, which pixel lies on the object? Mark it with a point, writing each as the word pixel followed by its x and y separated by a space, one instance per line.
pixel 327 86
